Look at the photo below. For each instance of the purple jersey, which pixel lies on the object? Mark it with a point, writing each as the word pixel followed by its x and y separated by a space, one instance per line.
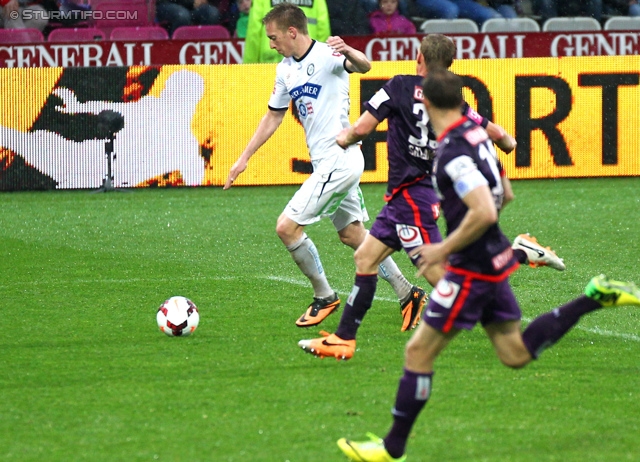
pixel 466 159
pixel 411 141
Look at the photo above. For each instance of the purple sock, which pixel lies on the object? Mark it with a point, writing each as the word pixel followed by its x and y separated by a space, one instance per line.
pixel 548 328
pixel 358 304
pixel 413 393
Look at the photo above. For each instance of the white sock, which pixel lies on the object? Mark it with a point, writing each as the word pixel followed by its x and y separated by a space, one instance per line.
pixel 389 271
pixel 305 254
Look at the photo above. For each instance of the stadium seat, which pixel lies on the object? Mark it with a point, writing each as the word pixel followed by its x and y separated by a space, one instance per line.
pixel 21 36
pixel 570 24
pixel 449 26
pixel 67 34
pixel 201 33
pixel 139 33
pixel 622 23
pixel 510 25
pixel 149 5
pixel 109 14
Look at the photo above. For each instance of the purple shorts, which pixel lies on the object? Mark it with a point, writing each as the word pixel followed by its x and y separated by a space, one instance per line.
pixel 462 299
pixel 408 220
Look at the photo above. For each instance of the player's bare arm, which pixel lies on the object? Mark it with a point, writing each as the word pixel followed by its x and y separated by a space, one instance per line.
pixel 508 191
pixel 356 60
pixel 481 214
pixel 267 127
pixel 365 124
pixel 500 137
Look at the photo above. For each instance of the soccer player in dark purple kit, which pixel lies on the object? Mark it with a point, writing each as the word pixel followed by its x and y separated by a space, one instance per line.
pixel 408 219
pixel 479 259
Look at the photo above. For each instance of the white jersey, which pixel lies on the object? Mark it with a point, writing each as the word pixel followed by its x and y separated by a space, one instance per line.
pixel 318 84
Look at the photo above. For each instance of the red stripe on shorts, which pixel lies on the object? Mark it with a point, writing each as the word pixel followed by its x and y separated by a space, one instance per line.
pixel 416 215
pixel 457 306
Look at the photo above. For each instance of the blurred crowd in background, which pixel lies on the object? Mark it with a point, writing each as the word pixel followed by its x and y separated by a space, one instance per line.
pixel 351 17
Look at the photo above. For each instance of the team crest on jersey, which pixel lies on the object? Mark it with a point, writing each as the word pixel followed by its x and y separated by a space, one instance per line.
pixel 305 109
pixel 475 136
pixel 417 93
pixel 409 236
pixel 310 69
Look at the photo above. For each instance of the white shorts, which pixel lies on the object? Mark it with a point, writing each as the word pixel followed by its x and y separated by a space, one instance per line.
pixel 331 191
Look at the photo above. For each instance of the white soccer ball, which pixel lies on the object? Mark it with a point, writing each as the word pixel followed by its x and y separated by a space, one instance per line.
pixel 178 317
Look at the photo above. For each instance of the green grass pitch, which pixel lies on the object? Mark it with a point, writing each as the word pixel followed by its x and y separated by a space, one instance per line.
pixel 85 375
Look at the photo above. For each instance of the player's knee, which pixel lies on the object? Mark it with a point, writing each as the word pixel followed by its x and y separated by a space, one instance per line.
pixel 363 262
pixel 284 231
pixel 281 231
pixel 414 351
pixel 515 361
pixel 353 236
pixel 348 240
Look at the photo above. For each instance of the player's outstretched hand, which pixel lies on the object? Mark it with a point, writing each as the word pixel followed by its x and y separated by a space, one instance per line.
pixel 237 168
pixel 337 44
pixel 357 61
pixel 507 143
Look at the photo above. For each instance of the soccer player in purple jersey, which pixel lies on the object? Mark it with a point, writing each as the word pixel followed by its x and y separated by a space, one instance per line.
pixel 479 259
pixel 408 219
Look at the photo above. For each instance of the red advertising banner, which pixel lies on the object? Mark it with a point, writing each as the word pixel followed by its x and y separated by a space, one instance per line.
pixel 397 48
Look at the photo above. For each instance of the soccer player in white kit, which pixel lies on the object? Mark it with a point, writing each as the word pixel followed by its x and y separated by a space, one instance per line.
pixel 315 76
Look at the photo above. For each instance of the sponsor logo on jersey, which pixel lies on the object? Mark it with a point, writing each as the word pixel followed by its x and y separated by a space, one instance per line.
pixel 310 69
pixel 501 260
pixel 308 89
pixel 475 136
pixel 445 293
pixel 417 93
